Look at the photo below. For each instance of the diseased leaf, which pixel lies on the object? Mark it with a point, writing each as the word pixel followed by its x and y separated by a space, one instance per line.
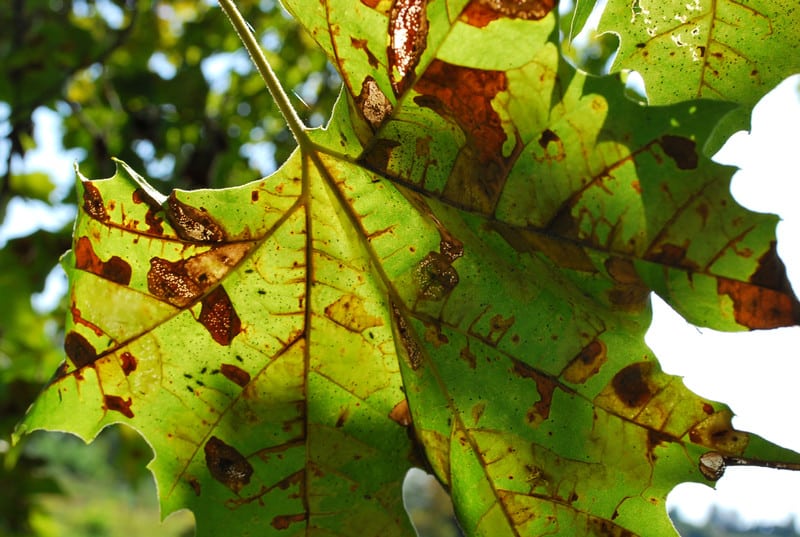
pixel 454 274
pixel 260 366
pixel 722 50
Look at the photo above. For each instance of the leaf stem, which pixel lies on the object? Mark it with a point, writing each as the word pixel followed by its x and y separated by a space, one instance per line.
pixel 265 70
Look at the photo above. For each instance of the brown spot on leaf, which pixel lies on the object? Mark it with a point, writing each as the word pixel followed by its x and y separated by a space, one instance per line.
pixel 467 355
pixel 547 137
pixel 759 308
pixel 235 374
pixel 401 414
pixel 363 44
pixel 629 293
pixel 227 465
pixel 622 270
pixel 412 352
pixel 434 335
pixel 656 438
pixel 154 223
pixel 672 255
pixel 408 34
pixel 545 386
pixel 587 363
pixel 498 326
pixel 118 404
pixel 682 150
pixel 631 384
pixel 477 411
pixel 127 362
pixel 343 415
pixel 79 351
pixel 282 522
pixel 93 202
pixel 219 317
pixel 349 312
pixel 464 96
pixel 115 269
pixel 717 432
pixel 171 282
pixel 181 282
pixel 195 484
pixel 481 12
pixel 771 271
pixel 380 153
pixel 78 319
pixel 373 103
pixel 605 528
pixel 435 277
pixel 192 224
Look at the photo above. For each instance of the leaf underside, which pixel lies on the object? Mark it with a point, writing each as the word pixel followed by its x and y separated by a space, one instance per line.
pixel 454 275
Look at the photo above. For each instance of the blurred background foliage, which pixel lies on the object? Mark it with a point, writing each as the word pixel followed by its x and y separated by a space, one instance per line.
pixel 165 86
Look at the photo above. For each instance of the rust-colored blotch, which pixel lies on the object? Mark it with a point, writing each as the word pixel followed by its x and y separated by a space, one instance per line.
pixel 401 414
pixel 93 202
pixel 408 35
pixel 759 308
pixel 115 269
pixel 235 374
pixel 587 363
pixel 282 522
pixel 631 385
pixel 128 363
pixel 681 150
pixel 219 317
pixel 118 404
pixel 227 465
pixel 169 281
pixel 79 351
pixel 479 13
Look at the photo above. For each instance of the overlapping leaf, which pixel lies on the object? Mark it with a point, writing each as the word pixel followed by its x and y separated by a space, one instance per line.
pixel 722 50
pixel 470 242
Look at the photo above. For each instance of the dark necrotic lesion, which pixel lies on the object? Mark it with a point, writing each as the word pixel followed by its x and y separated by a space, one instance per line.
pixel 227 465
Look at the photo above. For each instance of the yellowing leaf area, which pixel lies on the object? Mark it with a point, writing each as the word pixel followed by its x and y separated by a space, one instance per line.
pixel 454 274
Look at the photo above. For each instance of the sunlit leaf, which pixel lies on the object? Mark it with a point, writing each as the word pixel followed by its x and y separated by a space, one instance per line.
pixel 454 274
pixel 721 50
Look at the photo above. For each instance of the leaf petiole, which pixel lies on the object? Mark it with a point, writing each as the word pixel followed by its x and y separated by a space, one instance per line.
pixel 248 38
pixel 713 464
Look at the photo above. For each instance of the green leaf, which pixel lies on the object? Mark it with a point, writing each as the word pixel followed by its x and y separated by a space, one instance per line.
pixel 454 274
pixel 726 50
pixel 583 8
pixel 281 402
